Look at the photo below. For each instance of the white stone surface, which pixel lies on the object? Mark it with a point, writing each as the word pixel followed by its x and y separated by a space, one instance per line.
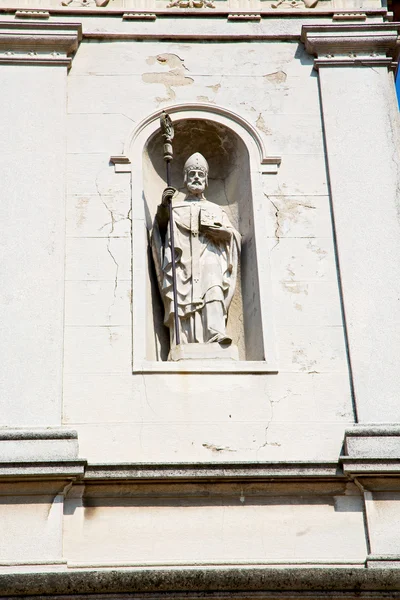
pixel 31 528
pixel 382 509
pixel 195 529
pixel 32 244
pixel 363 166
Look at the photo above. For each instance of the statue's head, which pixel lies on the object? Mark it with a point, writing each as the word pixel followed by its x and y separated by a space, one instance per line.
pixel 195 174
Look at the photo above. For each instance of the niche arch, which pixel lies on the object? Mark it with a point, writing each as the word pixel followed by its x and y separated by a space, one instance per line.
pixel 237 159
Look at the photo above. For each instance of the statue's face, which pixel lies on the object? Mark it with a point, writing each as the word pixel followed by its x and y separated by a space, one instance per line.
pixel 196 181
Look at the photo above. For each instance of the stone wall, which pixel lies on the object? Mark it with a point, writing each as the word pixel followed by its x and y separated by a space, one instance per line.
pixel 121 472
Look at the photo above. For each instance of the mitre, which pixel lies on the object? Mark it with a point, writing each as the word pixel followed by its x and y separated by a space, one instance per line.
pixel 196 161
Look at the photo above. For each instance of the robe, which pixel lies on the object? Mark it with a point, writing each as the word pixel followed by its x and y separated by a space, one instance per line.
pixel 206 269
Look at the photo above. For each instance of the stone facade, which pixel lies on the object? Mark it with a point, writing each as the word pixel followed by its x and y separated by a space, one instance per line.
pixel 123 474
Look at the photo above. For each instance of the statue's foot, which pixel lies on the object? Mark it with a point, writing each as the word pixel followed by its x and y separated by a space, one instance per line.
pixel 220 338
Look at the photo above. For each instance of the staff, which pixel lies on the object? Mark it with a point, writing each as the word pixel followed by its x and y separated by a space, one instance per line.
pixel 168 135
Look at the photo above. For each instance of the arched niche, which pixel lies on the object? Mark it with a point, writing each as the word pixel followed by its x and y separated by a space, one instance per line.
pixel 237 160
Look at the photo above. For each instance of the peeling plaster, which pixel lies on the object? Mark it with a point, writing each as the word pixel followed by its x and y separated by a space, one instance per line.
pixel 276 78
pixel 174 77
pixel 261 125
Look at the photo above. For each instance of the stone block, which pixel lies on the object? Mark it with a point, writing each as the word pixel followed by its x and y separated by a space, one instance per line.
pixel 212 530
pixel 298 259
pixel 312 349
pixel 298 175
pixel 31 528
pixel 38 444
pixel 89 133
pixel 98 215
pixel 298 216
pixel 100 259
pixel 204 352
pixel 98 349
pixel 373 441
pixel 92 174
pixel 98 303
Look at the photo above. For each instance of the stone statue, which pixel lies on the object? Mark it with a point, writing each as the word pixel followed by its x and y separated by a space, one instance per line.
pixel 207 249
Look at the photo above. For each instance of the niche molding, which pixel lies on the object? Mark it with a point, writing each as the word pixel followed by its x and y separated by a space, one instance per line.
pixel 238 161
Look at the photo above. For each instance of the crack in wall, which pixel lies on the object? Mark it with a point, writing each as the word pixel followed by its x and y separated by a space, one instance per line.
pixel 113 221
pixel 277 223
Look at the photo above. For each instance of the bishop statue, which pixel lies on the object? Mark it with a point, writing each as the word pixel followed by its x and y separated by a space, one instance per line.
pixel 207 249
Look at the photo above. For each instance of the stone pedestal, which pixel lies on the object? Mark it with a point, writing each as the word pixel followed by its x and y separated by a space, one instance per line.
pixel 204 352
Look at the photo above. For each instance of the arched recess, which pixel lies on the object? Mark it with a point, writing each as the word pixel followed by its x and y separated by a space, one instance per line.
pixel 237 161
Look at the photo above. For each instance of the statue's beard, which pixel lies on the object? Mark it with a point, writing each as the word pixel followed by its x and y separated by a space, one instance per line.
pixel 196 188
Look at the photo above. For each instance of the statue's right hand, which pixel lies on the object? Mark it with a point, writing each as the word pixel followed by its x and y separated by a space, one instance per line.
pixel 167 195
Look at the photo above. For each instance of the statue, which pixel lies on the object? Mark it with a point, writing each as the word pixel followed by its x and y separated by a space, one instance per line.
pixel 207 249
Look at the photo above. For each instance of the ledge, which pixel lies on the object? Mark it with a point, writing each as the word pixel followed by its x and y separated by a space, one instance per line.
pixel 210 471
pixel 370 466
pixel 175 582
pixel 42 469
pixel 208 368
pixel 38 433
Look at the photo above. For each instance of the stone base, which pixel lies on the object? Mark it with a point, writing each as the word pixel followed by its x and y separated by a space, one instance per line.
pixel 204 352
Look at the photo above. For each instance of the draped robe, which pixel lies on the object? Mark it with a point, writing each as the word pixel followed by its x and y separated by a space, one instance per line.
pixel 206 269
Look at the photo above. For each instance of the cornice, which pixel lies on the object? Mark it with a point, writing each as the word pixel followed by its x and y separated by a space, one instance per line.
pixel 38 43
pixel 355 44
pixel 219 583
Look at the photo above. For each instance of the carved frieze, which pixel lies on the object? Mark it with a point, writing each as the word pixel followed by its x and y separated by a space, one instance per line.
pixel 83 3
pixel 191 4
pixel 294 4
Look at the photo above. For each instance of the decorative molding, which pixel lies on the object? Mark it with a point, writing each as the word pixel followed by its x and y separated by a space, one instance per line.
pixel 59 469
pixel 288 4
pixel 351 44
pixel 32 14
pixel 349 16
pixel 244 17
pixel 198 110
pixel 139 16
pixel 370 466
pixel 49 43
pixel 191 4
pixel 85 3
pixel 372 450
pixel 122 164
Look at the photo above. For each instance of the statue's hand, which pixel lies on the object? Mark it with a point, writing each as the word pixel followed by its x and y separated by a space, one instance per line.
pixel 167 196
pixel 218 234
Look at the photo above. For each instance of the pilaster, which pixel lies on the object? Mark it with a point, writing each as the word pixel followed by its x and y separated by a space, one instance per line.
pixel 34 58
pixel 360 115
